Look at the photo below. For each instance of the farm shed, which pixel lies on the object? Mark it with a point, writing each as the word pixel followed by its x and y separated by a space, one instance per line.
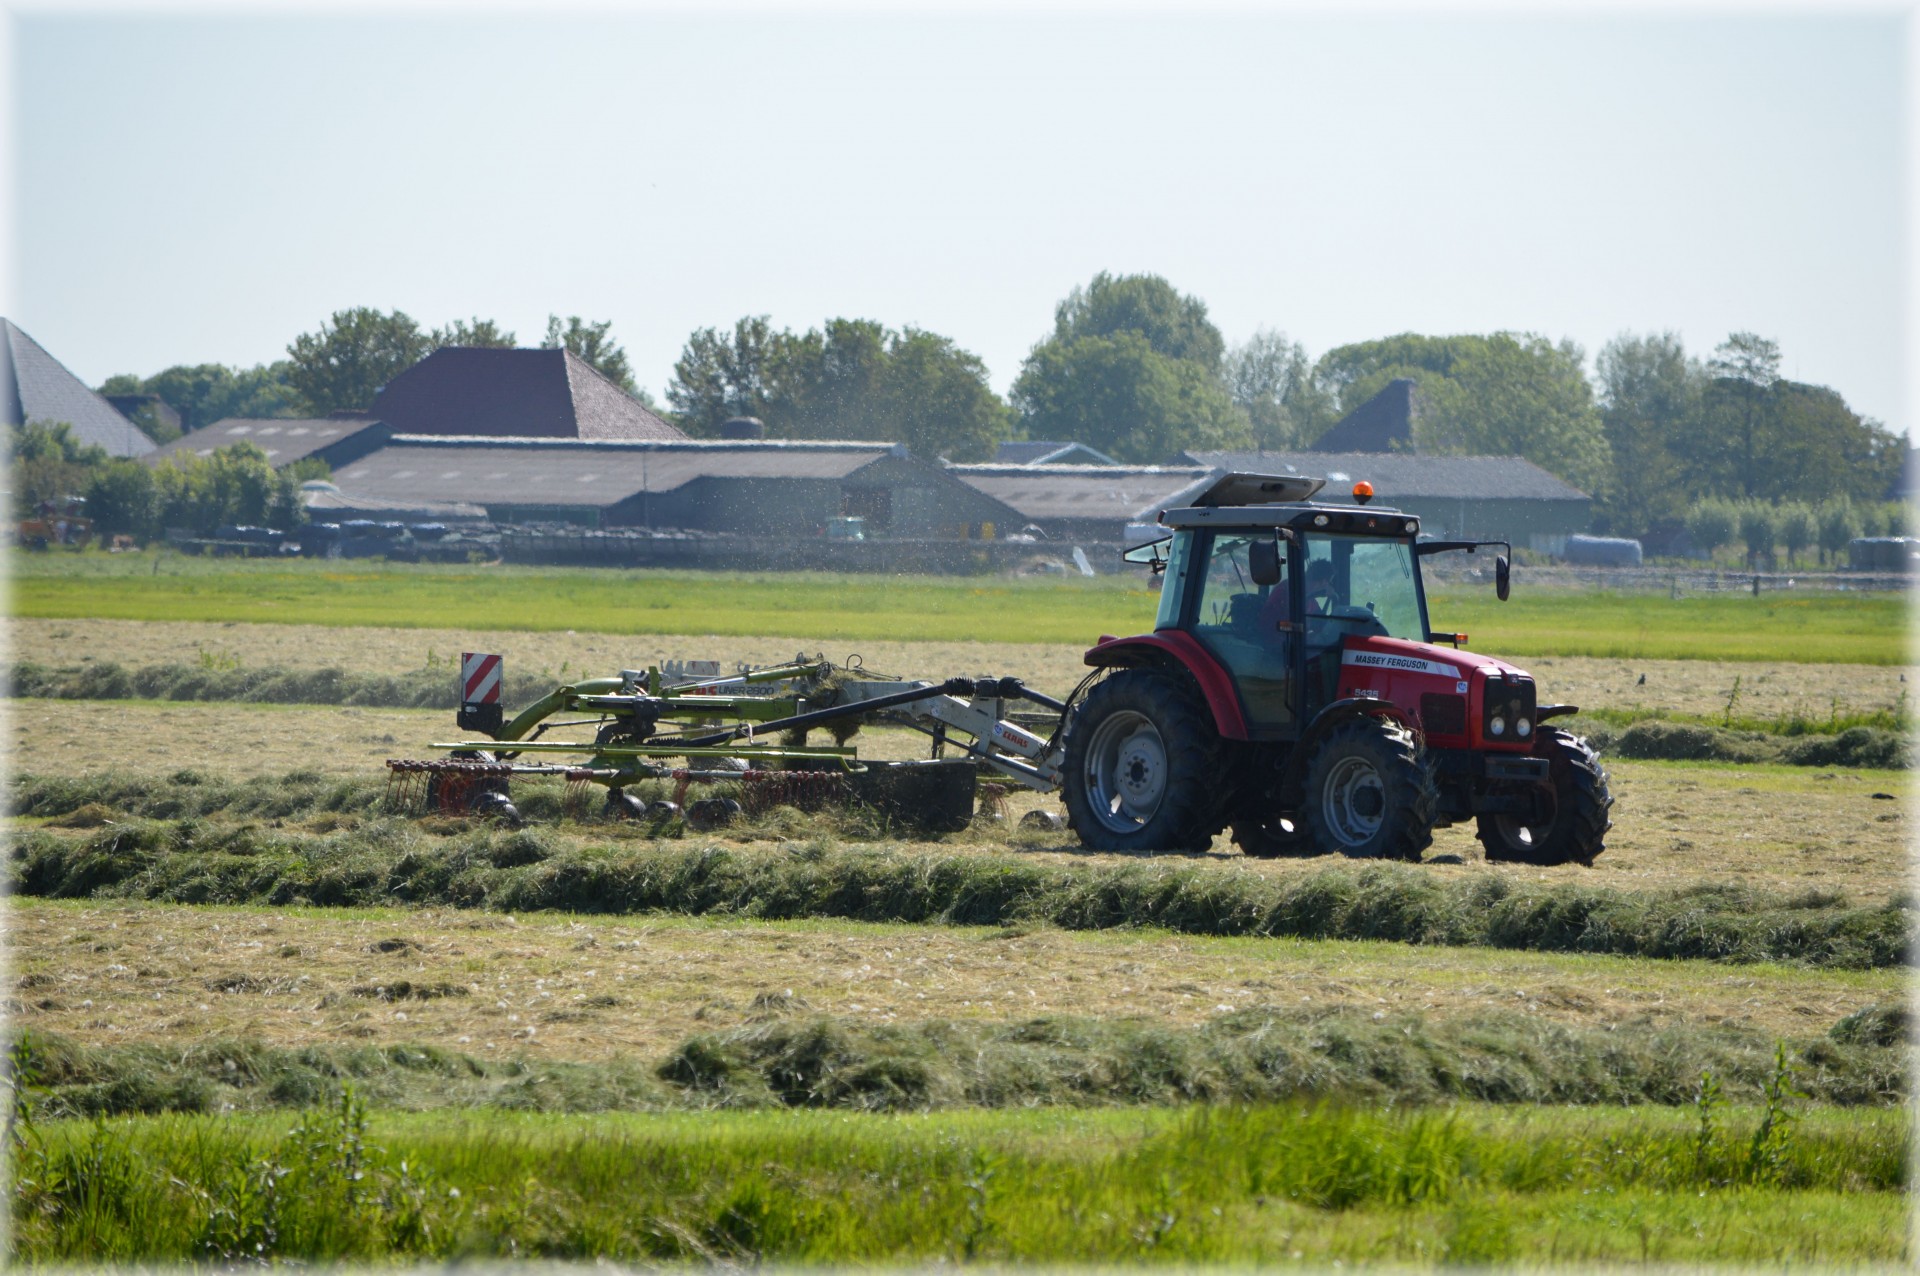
pixel 753 487
pixel 1090 503
pixel 468 391
pixel 1493 496
pixel 336 439
pixel 36 387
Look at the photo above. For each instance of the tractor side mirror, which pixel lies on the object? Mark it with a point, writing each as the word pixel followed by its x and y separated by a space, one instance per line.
pixel 1502 577
pixel 1263 562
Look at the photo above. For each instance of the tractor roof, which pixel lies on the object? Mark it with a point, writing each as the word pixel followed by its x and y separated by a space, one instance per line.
pixel 1281 500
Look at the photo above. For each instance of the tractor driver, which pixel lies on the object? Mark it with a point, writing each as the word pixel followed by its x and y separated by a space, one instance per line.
pixel 1322 598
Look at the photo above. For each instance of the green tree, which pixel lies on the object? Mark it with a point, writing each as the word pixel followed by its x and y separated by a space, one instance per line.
pixel 45 462
pixel 234 484
pixel 1650 396
pixel 1174 325
pixel 594 343
pixel 1839 524
pixel 353 355
pixel 1712 523
pixel 476 331
pixel 719 376
pixel 1745 367
pixel 123 499
pixel 938 401
pixel 1270 379
pixel 1797 527
pixel 207 392
pixel 1120 395
pixel 1759 529
pixel 847 379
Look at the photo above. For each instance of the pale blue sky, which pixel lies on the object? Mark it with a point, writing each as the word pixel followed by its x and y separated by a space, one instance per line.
pixel 203 188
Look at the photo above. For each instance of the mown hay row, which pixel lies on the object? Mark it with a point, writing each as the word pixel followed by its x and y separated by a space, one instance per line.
pixel 1253 1055
pixel 374 861
pixel 1650 739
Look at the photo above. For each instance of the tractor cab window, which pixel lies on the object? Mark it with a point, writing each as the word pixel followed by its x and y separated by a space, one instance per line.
pixel 1245 625
pixel 1361 585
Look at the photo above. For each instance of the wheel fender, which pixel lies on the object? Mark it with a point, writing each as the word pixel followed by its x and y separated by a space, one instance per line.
pixel 1334 715
pixel 1181 650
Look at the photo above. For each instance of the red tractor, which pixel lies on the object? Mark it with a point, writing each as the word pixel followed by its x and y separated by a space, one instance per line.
pixel 1293 690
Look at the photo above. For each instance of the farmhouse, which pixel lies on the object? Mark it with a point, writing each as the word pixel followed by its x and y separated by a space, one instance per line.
pixel 756 487
pixel 1092 503
pixel 35 387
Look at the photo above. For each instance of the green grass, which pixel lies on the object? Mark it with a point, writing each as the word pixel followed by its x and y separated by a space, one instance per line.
pixel 173 839
pixel 1314 1183
pixel 1816 627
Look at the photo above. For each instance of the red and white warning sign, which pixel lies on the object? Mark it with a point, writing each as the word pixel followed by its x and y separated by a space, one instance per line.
pixel 479 678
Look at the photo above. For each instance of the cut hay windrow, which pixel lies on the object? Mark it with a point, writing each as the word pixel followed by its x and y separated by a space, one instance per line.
pixel 1255 1055
pixel 120 849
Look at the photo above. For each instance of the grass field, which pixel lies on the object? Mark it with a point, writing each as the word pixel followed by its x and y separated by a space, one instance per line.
pixel 774 965
pixel 1293 1183
pixel 1867 629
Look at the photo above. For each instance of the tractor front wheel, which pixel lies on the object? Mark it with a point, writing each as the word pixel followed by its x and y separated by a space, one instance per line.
pixel 1576 800
pixel 1369 792
pixel 1143 766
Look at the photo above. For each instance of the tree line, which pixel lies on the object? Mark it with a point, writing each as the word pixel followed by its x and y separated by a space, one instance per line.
pixel 1138 370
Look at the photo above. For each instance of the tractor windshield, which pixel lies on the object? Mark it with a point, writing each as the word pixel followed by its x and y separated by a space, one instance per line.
pixel 1365 581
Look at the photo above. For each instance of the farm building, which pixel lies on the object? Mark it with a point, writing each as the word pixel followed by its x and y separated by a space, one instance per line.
pixel 753 487
pixel 35 387
pixel 1090 503
pixel 336 439
pixel 1493 496
pixel 472 391
pixel 1383 423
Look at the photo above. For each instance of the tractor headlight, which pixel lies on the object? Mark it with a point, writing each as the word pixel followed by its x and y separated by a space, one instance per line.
pixel 1523 728
pixel 1497 725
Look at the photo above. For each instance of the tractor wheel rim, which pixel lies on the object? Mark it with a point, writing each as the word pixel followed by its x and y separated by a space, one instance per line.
pixel 1519 835
pixel 1126 771
pixel 1353 800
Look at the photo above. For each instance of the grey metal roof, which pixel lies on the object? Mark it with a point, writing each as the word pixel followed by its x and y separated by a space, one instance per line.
pixel 579 472
pixel 468 390
pixel 1407 476
pixel 1115 493
pixel 283 440
pixel 326 503
pixel 35 386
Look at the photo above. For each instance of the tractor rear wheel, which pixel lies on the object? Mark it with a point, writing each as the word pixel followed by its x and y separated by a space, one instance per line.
pixel 1577 800
pixel 1143 766
pixel 1369 792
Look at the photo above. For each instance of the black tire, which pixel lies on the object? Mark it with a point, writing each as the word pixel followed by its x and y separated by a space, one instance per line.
pixel 1144 766
pixel 1369 793
pixel 1274 837
pixel 1576 830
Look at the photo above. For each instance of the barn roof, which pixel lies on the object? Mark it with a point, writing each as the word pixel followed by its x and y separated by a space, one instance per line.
pixel 283 440
pixel 1406 476
pixel 580 472
pixel 1113 493
pixel 471 390
pixel 35 386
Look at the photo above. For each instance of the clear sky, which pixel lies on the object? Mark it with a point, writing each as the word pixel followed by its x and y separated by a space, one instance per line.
pixel 203 187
